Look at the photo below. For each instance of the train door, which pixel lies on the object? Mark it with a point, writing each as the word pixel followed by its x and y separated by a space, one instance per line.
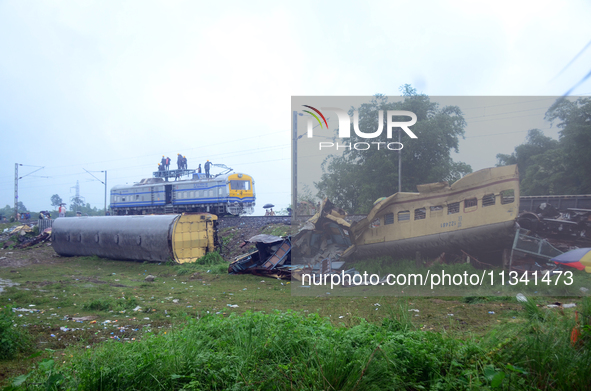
pixel 168 194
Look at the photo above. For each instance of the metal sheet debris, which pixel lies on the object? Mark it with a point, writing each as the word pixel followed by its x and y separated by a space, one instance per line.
pixel 317 247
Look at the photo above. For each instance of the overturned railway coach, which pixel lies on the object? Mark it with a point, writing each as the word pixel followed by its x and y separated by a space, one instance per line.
pixel 475 214
pixel 180 238
pixel 225 194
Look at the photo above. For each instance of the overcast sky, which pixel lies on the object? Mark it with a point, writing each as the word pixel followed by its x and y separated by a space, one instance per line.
pixel 115 85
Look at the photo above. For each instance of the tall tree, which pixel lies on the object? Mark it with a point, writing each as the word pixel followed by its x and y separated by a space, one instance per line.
pixel 77 204
pixel 21 207
pixel 535 144
pixel 56 200
pixel 541 164
pixel 574 118
pixel 548 166
pixel 357 178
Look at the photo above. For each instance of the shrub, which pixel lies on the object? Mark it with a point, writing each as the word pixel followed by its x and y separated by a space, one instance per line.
pixel 12 339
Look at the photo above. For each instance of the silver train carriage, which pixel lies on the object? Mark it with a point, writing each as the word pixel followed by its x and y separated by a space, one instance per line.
pixel 225 194
pixel 181 238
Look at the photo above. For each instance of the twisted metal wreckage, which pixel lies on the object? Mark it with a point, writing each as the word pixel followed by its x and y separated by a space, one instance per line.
pixel 477 217
pixel 317 246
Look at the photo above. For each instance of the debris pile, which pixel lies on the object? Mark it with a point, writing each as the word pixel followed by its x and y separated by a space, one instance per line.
pixel 547 233
pixel 22 236
pixel 315 249
pixel 42 237
pixel 564 230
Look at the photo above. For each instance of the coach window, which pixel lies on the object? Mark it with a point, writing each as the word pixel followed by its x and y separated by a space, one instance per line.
pixel 137 197
pixel 122 199
pixel 453 208
pixel 420 214
pixel 507 196
pixel 471 204
pixel 488 200
pixel 436 211
pixel 404 215
pixel 389 219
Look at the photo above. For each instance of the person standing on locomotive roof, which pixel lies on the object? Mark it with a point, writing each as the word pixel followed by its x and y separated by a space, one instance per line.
pixel 185 162
pixel 167 164
pixel 163 161
pixel 199 169
pixel 179 160
pixel 207 165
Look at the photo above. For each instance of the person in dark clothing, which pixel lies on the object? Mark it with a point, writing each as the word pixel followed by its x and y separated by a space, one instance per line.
pixel 199 169
pixel 179 161
pixel 160 167
pixel 167 164
pixel 163 161
pixel 207 165
pixel 185 163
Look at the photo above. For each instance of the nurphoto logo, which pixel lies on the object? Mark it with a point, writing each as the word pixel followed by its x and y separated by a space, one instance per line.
pixel 345 127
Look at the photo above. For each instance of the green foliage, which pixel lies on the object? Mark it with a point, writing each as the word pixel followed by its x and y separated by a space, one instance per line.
pixel 574 118
pixel 548 166
pixel 110 304
pixel 357 178
pixel 99 305
pixel 212 261
pixel 56 200
pixel 541 353
pixel 12 339
pixel 281 351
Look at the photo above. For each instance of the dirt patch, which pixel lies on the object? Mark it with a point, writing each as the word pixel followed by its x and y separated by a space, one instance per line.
pixel 39 254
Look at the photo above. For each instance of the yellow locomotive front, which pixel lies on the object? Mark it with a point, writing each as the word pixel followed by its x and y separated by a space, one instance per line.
pixel 241 195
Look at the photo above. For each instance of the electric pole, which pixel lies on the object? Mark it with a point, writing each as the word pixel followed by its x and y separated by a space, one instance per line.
pixel 294 168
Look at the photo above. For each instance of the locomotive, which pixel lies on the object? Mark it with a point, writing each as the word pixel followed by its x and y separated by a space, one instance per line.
pixel 222 194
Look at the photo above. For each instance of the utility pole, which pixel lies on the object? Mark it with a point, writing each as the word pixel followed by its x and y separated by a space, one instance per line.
pixel 16 178
pixel 399 163
pixel 104 183
pixel 15 191
pixel 294 167
pixel 105 192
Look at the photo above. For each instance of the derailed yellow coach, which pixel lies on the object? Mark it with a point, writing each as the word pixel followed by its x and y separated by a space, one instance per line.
pixel 475 214
pixel 156 238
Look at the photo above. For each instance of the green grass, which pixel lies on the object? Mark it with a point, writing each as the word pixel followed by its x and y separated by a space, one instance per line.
pixel 277 230
pixel 12 339
pixel 285 350
pixel 192 338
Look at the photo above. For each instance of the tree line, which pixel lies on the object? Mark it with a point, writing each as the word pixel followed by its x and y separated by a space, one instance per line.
pixel 556 167
pixel 356 179
pixel 77 205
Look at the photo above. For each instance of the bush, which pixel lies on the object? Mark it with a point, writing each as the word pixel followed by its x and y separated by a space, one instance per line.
pixel 210 259
pixel 99 305
pixel 12 339
pixel 109 304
